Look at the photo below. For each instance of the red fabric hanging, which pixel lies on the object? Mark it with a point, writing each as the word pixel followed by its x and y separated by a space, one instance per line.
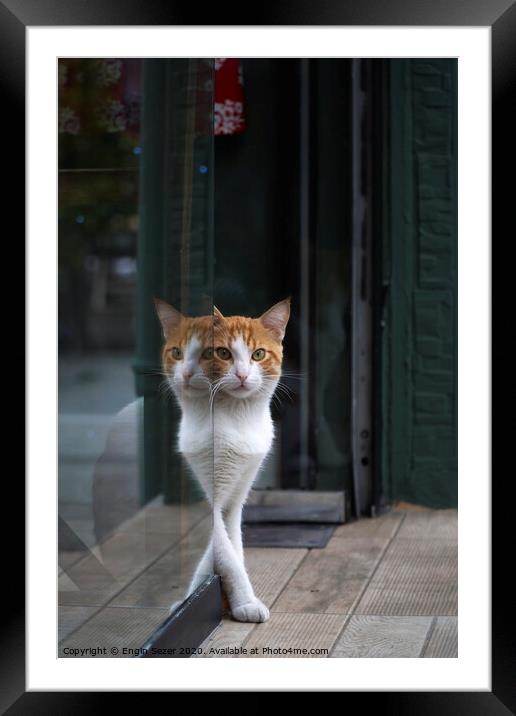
pixel 229 117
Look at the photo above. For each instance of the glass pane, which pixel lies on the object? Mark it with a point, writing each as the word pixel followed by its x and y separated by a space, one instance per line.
pixel 135 224
pixel 282 228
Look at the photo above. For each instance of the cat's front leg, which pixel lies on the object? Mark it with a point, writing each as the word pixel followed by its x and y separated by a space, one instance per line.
pixel 234 528
pixel 244 605
pixel 233 515
pixel 236 502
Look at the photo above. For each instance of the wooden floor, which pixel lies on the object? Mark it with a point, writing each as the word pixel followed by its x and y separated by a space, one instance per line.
pixel 384 587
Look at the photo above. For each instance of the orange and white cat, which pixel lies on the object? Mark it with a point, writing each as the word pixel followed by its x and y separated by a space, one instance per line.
pixel 223 372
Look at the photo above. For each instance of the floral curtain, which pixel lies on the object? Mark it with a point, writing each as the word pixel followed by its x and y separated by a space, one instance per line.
pixel 101 95
pixel 229 117
pixel 104 96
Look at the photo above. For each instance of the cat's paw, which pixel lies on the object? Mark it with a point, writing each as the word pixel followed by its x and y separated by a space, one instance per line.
pixel 254 611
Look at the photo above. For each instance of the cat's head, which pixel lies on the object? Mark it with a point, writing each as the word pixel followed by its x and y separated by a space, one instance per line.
pixel 248 352
pixel 187 352
pixel 236 356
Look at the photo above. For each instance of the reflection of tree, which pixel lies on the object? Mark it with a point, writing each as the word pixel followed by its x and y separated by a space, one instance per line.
pixel 98 225
pixel 99 135
pixel 99 112
pixel 97 213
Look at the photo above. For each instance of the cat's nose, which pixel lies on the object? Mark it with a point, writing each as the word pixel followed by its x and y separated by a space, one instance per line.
pixel 242 377
pixel 186 376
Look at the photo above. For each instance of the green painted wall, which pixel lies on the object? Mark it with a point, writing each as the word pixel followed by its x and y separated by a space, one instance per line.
pixel 420 264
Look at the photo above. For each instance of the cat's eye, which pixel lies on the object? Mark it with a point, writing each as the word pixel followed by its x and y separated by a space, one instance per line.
pixel 207 354
pixel 176 352
pixel 223 353
pixel 259 354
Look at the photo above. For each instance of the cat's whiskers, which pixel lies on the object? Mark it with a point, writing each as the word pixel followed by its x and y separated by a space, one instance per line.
pixel 279 387
pixel 165 389
pixel 282 387
pixel 215 387
pixel 272 397
pixel 156 372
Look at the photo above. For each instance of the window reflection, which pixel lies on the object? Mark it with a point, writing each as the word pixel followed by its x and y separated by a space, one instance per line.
pixel 132 525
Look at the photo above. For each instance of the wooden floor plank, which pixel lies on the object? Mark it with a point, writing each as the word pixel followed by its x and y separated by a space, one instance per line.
pixel 294 631
pixel 443 643
pixel 407 560
pixel 382 527
pixel 70 618
pixel 331 580
pixel 384 637
pixel 432 525
pixel 167 580
pixel 167 519
pixel 410 599
pixel 118 627
pixel 107 569
pixel 375 588
pixel 414 578
pixel 227 637
pixel 270 570
pixel 69 557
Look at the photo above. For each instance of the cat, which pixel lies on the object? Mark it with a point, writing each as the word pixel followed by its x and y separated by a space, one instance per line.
pixel 223 372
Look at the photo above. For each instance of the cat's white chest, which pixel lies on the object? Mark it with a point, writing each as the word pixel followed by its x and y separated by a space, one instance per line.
pixel 251 435
pixel 245 431
pixel 230 443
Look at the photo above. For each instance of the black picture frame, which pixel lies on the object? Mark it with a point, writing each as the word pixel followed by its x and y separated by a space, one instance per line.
pixel 500 15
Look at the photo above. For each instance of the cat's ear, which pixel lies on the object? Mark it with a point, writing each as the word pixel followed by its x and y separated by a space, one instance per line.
pixel 217 315
pixel 170 318
pixel 276 318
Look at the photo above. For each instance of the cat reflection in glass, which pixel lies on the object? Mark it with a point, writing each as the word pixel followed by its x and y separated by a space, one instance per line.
pixel 223 372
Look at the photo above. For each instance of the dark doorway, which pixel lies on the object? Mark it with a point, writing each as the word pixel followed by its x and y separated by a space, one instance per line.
pixel 284 226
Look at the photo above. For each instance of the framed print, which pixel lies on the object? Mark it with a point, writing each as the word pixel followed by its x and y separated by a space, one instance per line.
pixel 259 257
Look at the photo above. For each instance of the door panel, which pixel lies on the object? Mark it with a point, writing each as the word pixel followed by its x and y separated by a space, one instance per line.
pixel 282 227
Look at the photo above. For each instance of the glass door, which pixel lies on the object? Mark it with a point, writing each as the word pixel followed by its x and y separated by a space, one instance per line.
pixel 135 224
